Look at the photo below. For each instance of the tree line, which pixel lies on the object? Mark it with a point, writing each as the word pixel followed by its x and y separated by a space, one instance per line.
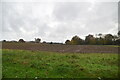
pixel 101 39
pixel 37 40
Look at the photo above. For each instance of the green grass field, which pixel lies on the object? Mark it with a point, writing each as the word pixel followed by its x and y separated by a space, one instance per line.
pixel 35 64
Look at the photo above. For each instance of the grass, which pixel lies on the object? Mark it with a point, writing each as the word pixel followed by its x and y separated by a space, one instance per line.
pixel 112 45
pixel 32 64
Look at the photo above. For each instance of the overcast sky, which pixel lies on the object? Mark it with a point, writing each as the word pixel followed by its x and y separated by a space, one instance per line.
pixel 57 21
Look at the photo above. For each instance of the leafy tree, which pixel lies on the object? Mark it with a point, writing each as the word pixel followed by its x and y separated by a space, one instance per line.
pixel 4 41
pixel 117 42
pixel 99 41
pixel 115 37
pixel 119 33
pixel 108 39
pixel 51 42
pixel 44 42
pixel 100 35
pixel 67 42
pixel 21 40
pixel 76 40
pixel 90 39
pixel 37 40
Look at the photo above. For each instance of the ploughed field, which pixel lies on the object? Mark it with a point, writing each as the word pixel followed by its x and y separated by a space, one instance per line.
pixel 62 48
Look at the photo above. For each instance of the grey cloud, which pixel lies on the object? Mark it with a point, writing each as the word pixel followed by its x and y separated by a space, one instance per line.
pixel 70 10
pixel 105 18
pixel 18 18
pixel 57 21
pixel 119 15
pixel 100 20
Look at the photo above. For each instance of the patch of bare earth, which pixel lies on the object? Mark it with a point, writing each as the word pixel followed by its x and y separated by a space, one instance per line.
pixel 61 48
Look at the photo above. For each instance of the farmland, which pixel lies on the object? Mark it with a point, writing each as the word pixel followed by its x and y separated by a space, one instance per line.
pixel 30 60
pixel 62 48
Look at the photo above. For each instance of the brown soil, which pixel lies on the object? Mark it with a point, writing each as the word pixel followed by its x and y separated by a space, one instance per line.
pixel 61 48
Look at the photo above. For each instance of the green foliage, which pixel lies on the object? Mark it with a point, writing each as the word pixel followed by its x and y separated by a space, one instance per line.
pixel 37 40
pixel 67 42
pixel 76 40
pixel 4 41
pixel 21 40
pixel 99 41
pixel 119 33
pixel 108 39
pixel 31 64
pixel 90 39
